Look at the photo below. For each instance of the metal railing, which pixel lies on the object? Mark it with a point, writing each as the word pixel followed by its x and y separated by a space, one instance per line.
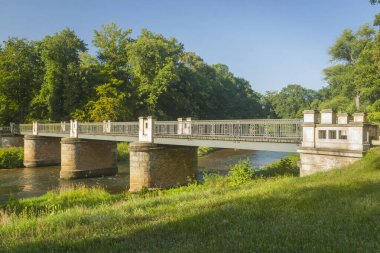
pixel 5 130
pixel 95 128
pixel 51 128
pixel 165 128
pixel 125 128
pixel 271 130
pixel 237 129
pixel 25 128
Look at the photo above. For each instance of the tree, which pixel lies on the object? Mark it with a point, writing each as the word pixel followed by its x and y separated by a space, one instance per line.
pixel 61 90
pixel 292 100
pixel 154 63
pixel 19 70
pixel 114 93
pixel 343 77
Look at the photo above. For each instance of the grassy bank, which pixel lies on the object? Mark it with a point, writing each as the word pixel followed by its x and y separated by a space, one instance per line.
pixel 11 158
pixel 337 211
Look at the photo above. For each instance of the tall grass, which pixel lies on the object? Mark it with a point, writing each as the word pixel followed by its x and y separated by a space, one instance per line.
pixel 336 211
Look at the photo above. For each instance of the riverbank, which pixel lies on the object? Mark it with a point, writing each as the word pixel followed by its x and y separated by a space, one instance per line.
pixel 334 211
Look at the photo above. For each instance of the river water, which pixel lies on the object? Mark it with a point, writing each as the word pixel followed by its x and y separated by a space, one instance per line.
pixel 30 182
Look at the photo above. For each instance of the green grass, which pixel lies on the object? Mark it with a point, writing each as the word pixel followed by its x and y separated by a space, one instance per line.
pixel 336 211
pixel 11 158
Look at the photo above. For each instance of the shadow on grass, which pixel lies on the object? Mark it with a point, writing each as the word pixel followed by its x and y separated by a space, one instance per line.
pixel 313 219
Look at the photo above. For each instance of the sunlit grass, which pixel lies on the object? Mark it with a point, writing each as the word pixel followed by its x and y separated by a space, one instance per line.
pixel 337 211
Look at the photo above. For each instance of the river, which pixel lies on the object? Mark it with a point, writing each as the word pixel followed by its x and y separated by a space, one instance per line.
pixel 30 182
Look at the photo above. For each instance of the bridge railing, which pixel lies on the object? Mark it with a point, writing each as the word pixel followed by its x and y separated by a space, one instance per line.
pixel 54 128
pixel 125 128
pixel 162 128
pixel 288 129
pixel 267 128
pixel 25 128
pixel 95 128
pixel 109 128
pixel 5 130
pixel 259 130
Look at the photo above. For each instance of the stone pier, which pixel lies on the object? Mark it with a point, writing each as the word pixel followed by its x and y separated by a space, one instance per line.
pixel 87 158
pixel 41 151
pixel 161 166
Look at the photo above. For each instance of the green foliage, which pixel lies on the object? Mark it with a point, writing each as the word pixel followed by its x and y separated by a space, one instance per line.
pixel 214 180
pixel 374 112
pixel 61 90
pixel 203 218
pixel 57 79
pixel 122 151
pixel 202 151
pixel 19 80
pixel 339 104
pixel 241 173
pixel 292 100
pixel 154 60
pixel 11 158
pixel 286 166
pixel 355 76
pixel 55 201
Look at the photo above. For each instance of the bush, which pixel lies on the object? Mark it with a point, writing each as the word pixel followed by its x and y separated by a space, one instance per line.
pixel 286 166
pixel 202 151
pixel 122 151
pixel 11 158
pixel 241 173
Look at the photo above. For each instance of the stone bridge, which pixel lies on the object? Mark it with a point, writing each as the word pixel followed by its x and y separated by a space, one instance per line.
pixel 164 154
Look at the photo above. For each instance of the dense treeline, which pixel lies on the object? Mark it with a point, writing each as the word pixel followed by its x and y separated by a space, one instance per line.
pixel 57 79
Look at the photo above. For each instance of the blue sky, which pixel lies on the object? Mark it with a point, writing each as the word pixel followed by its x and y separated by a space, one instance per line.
pixel 269 43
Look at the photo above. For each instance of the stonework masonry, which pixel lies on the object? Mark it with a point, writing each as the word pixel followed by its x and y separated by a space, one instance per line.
pixel 11 141
pixel 41 151
pixel 334 141
pixel 161 166
pixel 87 158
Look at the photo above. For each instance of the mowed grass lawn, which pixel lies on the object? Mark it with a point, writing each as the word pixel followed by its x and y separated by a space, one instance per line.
pixel 337 211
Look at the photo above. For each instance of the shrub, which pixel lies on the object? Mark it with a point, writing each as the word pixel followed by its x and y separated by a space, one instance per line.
pixel 241 173
pixel 11 158
pixel 202 151
pixel 286 166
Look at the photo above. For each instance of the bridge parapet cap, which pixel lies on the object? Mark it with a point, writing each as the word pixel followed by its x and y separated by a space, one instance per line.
pixel 328 116
pixel 310 116
pixel 343 118
pixel 360 117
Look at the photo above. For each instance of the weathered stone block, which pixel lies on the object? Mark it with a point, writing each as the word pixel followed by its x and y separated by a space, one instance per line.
pixel 87 158
pixel 317 160
pixel 161 166
pixel 41 151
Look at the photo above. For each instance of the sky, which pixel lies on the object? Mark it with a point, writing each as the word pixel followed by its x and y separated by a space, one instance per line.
pixel 269 43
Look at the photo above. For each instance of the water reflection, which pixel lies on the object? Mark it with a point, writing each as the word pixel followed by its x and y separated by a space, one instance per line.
pixel 29 182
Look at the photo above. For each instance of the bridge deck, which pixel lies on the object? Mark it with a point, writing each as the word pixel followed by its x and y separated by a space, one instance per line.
pixel 274 135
